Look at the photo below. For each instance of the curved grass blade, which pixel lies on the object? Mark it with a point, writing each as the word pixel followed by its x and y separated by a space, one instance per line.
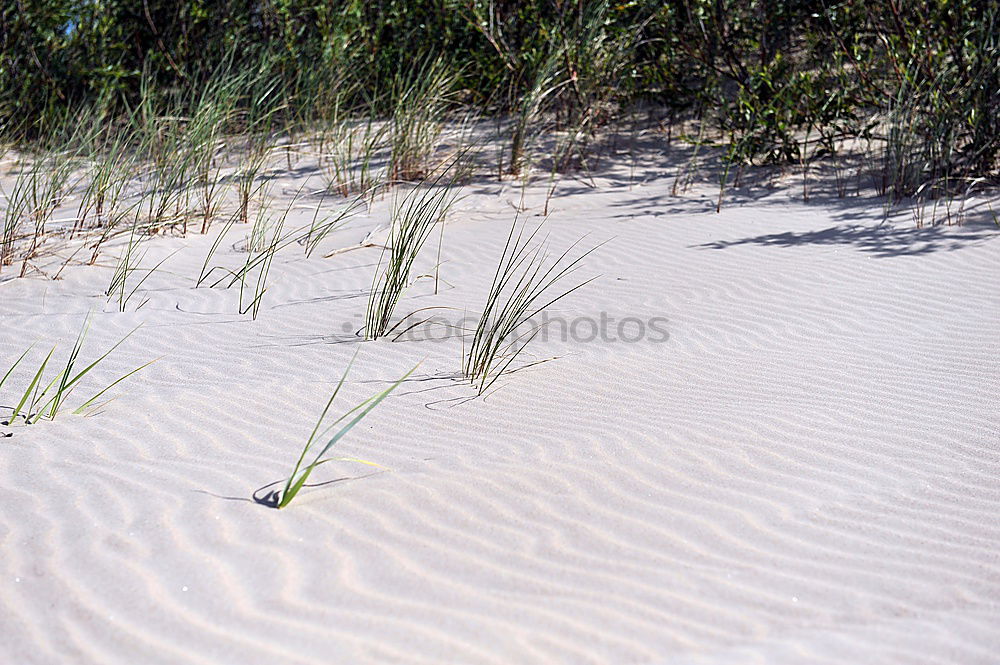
pixel 31 386
pixel 111 385
pixel 296 481
pixel 14 366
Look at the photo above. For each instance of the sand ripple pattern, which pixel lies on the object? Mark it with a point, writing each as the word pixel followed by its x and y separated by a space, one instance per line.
pixel 804 472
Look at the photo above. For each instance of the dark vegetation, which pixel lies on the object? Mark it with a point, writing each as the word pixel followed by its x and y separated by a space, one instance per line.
pixel 780 81
pixel 911 88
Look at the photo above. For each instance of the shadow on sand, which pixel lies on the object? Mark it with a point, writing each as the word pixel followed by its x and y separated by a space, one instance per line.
pixel 881 240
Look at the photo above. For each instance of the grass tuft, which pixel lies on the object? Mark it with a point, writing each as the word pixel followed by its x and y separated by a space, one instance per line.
pixel 339 428
pixel 43 400
pixel 525 283
pixel 413 217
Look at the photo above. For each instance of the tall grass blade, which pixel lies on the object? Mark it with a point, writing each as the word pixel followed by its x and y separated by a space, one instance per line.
pixel 301 473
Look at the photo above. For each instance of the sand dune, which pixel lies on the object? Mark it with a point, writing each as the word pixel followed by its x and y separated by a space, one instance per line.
pixel 804 471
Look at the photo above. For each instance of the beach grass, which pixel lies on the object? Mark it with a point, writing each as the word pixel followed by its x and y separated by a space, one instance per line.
pixel 413 216
pixel 43 400
pixel 325 434
pixel 527 280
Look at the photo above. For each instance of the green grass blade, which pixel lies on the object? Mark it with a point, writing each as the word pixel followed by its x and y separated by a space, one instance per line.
pixel 111 385
pixel 91 366
pixel 14 366
pixel 31 386
pixel 295 484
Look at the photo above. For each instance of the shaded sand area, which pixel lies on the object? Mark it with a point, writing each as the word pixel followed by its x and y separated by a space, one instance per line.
pixel 802 468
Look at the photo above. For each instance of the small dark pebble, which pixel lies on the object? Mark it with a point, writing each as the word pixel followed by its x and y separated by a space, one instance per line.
pixel 7 435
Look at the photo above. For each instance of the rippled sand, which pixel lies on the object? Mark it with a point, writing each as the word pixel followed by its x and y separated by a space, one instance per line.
pixel 804 471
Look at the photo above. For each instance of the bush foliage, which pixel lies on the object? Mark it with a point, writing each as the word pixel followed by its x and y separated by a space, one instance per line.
pixel 783 80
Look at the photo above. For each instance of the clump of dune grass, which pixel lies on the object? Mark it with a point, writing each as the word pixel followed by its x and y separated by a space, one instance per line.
pixel 111 167
pixel 159 143
pixel 110 149
pixel 413 217
pixel 597 62
pixel 214 109
pixel 527 280
pixel 324 436
pixel 41 399
pixel 252 159
pixel 37 191
pixel 258 121
pixel 116 213
pixel 320 228
pixel 348 148
pixel 420 96
pixel 264 241
pixel 546 82
pixel 16 211
pixel 129 275
pixel 266 237
pixel 261 249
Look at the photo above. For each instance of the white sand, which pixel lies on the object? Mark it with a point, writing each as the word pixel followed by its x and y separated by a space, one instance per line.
pixel 805 472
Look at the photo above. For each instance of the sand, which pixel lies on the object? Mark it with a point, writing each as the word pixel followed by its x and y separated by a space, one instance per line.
pixel 803 469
